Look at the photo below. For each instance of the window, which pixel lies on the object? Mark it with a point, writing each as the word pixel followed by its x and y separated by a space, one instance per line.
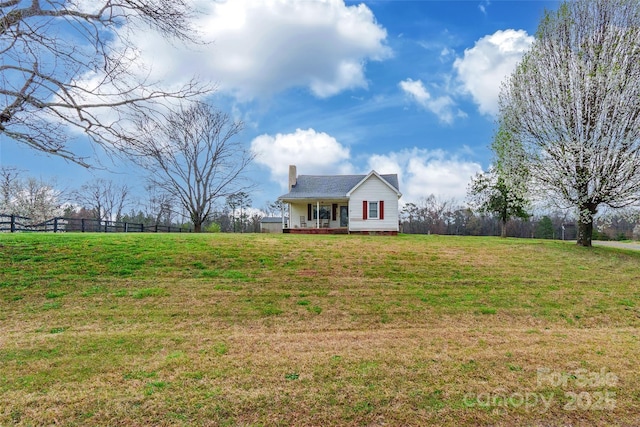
pixel 373 210
pixel 325 212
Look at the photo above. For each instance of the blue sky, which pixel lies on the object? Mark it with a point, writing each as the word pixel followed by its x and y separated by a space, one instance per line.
pixel 407 87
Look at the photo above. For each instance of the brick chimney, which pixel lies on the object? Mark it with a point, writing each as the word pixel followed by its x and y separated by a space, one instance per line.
pixel 293 176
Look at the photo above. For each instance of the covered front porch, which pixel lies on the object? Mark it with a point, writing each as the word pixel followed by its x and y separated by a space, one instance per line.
pixel 341 230
pixel 314 216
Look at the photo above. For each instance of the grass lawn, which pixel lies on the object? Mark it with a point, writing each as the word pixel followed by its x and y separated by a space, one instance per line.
pixel 219 329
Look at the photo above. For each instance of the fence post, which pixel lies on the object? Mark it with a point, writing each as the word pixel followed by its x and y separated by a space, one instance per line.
pixel 55 225
pixel 82 224
pixel 156 228
pixel 126 227
pixel 105 226
pixel 142 228
pixel 13 223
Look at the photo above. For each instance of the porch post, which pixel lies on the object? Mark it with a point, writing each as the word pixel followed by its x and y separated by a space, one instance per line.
pixel 282 213
pixel 318 214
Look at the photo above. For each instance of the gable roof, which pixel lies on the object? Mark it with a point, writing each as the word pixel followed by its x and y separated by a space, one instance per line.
pixel 272 219
pixel 384 181
pixel 332 186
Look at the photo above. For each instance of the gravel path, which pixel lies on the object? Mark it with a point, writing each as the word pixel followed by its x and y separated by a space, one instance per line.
pixel 623 245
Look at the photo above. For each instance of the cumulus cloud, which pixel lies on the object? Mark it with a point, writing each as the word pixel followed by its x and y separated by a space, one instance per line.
pixel 262 47
pixel 443 106
pixel 484 66
pixel 314 153
pixel 425 172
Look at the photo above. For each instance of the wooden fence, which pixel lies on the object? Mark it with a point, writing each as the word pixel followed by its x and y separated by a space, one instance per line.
pixel 16 223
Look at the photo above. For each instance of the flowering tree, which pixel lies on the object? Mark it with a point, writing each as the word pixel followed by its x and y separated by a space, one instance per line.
pixel 503 190
pixel 490 192
pixel 573 105
pixel 28 197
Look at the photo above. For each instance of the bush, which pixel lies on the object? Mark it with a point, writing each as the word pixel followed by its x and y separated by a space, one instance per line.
pixel 599 235
pixel 621 236
pixel 214 227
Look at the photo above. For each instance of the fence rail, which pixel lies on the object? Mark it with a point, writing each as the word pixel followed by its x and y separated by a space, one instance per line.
pixel 17 223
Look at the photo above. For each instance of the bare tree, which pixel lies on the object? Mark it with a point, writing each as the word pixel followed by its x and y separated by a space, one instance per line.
pixel 159 206
pixel 194 156
pixel 106 199
pixel 72 64
pixel 574 105
pixel 273 209
pixel 437 213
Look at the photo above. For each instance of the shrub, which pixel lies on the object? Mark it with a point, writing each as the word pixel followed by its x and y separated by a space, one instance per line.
pixel 214 227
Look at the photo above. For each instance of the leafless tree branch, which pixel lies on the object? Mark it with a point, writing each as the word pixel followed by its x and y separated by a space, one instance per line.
pixel 64 67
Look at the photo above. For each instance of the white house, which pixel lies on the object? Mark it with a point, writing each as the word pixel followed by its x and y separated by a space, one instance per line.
pixel 366 204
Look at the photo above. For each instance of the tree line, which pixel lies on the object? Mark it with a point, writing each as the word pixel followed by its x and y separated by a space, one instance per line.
pixel 433 215
pixel 106 200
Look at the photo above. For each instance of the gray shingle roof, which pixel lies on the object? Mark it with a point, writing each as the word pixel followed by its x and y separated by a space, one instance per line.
pixel 272 219
pixel 329 186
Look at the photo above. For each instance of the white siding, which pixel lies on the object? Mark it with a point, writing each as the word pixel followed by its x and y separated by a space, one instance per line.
pixel 297 211
pixel 373 190
pixel 271 227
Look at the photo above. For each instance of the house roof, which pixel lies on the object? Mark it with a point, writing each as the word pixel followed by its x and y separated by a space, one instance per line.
pixel 272 220
pixel 330 186
pixel 374 173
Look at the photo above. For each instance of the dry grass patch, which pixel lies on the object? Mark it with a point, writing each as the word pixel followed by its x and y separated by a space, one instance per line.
pixel 315 330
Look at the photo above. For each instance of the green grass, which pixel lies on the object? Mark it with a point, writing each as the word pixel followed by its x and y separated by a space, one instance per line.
pixel 219 329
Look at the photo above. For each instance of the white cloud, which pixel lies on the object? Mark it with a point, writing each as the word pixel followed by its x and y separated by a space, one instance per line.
pixel 446 54
pixel 483 6
pixel 255 48
pixel 423 172
pixel 443 106
pixel 485 66
pixel 261 47
pixel 312 152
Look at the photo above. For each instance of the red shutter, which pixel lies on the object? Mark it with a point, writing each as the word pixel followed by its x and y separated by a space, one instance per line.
pixel 309 212
pixel 381 215
pixel 365 207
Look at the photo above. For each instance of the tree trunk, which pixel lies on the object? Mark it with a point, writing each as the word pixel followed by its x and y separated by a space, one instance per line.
pixel 585 227
pixel 197 227
pixel 586 208
pixel 503 228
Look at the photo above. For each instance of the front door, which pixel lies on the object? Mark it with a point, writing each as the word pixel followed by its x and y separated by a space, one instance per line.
pixel 344 216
